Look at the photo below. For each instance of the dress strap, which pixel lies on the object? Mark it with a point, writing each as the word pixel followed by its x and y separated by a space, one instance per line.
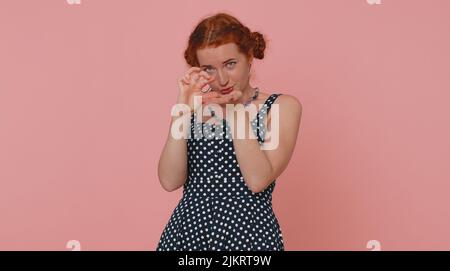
pixel 258 121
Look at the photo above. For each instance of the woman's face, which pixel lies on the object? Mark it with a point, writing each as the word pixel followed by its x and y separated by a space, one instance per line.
pixel 229 67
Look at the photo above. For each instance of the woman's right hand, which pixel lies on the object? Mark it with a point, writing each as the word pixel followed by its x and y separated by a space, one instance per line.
pixel 191 84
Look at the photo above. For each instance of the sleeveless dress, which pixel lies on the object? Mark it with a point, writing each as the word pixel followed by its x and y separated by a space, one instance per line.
pixel 217 210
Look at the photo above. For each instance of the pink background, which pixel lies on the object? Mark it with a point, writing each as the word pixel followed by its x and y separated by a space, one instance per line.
pixel 86 92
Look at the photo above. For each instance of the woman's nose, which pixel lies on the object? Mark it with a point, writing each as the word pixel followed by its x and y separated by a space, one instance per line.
pixel 222 78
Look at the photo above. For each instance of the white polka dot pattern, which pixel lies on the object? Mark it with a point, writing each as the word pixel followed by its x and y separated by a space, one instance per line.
pixel 218 211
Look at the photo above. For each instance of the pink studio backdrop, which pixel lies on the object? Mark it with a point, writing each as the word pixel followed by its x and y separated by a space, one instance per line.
pixel 85 97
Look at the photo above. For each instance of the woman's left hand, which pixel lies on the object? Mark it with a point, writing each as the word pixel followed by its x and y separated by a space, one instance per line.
pixel 222 99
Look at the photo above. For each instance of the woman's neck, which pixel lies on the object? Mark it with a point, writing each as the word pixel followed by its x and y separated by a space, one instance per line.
pixel 247 94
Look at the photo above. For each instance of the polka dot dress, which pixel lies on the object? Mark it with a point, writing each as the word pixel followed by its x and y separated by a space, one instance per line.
pixel 218 211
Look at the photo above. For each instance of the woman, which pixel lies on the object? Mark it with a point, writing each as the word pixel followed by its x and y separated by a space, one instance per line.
pixel 227 180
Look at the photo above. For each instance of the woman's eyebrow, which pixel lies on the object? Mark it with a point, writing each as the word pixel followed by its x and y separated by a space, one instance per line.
pixel 223 62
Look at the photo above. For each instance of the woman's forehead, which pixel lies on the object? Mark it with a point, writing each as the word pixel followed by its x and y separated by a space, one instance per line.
pixel 217 55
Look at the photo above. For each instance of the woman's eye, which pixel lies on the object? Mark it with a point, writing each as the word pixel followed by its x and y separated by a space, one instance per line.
pixel 231 64
pixel 208 70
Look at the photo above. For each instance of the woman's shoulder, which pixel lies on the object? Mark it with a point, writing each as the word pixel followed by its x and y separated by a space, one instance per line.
pixel 281 98
pixel 288 102
pixel 289 107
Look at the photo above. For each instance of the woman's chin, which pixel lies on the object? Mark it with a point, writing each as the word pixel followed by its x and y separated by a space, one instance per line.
pixel 236 95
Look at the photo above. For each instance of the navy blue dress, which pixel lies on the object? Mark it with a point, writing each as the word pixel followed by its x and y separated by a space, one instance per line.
pixel 218 211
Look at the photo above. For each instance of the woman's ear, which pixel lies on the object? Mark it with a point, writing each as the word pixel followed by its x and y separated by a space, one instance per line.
pixel 250 61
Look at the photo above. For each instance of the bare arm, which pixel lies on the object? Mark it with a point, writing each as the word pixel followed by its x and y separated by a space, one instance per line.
pixel 260 167
pixel 173 164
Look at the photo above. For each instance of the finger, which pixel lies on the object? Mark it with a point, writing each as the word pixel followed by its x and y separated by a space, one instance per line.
pixel 195 77
pixel 195 74
pixel 219 100
pixel 202 82
pixel 211 79
pixel 212 101
pixel 235 95
pixel 211 94
pixel 185 80
pixel 205 74
pixel 206 98
pixel 192 70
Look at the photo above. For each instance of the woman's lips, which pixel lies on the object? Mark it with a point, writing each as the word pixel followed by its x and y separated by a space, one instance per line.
pixel 226 91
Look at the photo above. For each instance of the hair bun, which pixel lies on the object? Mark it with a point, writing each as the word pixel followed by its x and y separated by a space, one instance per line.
pixel 259 45
pixel 223 28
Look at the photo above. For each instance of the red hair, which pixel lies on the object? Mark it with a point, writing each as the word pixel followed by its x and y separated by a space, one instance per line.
pixel 220 29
